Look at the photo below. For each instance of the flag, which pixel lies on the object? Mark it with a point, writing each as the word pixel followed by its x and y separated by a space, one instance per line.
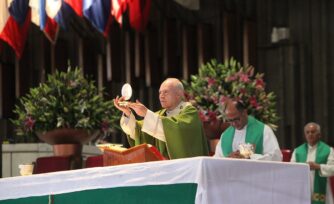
pixel 76 5
pixel 98 13
pixel 118 8
pixel 139 11
pixel 38 16
pixel 11 31
pixel 60 12
pixel 19 10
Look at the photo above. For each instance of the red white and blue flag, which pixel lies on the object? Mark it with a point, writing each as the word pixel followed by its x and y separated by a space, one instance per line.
pixel 60 11
pixel 76 5
pixel 14 24
pixel 98 13
pixel 39 17
pixel 118 8
pixel 139 11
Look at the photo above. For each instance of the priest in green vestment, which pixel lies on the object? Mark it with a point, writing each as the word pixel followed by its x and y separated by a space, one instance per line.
pixel 176 130
pixel 320 158
pixel 245 130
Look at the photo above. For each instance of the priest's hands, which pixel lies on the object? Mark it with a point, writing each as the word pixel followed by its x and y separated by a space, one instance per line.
pixel 236 155
pixel 314 166
pixel 139 108
pixel 125 109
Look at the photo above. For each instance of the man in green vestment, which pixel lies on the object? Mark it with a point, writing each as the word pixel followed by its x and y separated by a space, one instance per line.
pixel 245 131
pixel 320 158
pixel 175 130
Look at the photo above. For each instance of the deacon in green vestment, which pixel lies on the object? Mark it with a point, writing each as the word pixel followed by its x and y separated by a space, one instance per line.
pixel 320 158
pixel 245 131
pixel 176 129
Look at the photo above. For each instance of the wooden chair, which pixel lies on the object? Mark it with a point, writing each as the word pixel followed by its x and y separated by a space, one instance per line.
pixel 331 180
pixel 52 164
pixel 287 153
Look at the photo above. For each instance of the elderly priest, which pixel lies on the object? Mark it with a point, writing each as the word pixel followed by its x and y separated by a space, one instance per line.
pixel 175 130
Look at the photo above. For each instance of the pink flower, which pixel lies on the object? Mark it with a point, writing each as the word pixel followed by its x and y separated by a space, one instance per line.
pixel 253 101
pixel 232 78
pixel 211 81
pixel 244 78
pixel 242 91
pixel 212 116
pixel 259 84
pixel 259 107
pixel 223 100
pixel 29 123
pixel 202 116
pixel 215 99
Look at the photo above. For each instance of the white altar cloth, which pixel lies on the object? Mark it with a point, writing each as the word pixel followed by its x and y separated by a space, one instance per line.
pixel 218 180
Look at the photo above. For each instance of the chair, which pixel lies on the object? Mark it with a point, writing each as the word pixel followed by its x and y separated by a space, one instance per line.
pixel 52 164
pixel 94 161
pixel 286 155
pixel 331 181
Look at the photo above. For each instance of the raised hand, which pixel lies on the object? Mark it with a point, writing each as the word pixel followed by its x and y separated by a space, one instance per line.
pixel 125 109
pixel 139 108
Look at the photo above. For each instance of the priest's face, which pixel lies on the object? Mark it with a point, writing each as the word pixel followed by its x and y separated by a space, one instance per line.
pixel 169 95
pixel 235 117
pixel 312 134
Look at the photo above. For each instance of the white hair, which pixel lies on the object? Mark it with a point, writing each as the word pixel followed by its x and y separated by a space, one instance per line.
pixel 177 83
pixel 317 126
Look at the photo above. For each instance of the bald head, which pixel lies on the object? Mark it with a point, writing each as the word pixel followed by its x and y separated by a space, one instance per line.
pixel 171 93
pixel 175 83
pixel 316 126
pixel 312 133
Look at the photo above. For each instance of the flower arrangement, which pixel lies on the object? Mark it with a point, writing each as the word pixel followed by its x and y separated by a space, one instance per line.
pixel 65 100
pixel 216 82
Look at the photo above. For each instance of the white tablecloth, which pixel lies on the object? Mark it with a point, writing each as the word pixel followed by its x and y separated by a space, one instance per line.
pixel 219 180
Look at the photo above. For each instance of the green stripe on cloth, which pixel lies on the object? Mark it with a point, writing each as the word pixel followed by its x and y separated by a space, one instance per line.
pixel 184 193
pixel 29 200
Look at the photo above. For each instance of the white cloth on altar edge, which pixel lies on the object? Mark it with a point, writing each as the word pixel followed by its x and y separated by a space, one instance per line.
pixel 217 178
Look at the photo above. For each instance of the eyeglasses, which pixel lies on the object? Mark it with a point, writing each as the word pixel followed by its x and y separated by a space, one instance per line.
pixel 236 119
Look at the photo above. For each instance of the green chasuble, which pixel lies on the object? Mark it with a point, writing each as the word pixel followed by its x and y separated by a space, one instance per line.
pixel 319 185
pixel 254 135
pixel 184 135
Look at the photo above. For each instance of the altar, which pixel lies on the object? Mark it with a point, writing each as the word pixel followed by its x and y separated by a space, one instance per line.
pixel 200 180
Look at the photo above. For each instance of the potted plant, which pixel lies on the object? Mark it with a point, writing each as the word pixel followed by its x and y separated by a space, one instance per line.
pixel 217 82
pixel 69 104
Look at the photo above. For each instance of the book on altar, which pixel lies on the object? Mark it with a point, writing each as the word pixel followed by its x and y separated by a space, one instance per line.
pixel 117 155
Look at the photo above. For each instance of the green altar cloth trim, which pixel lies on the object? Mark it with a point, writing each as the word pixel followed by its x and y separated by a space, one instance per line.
pixel 29 200
pixel 184 193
